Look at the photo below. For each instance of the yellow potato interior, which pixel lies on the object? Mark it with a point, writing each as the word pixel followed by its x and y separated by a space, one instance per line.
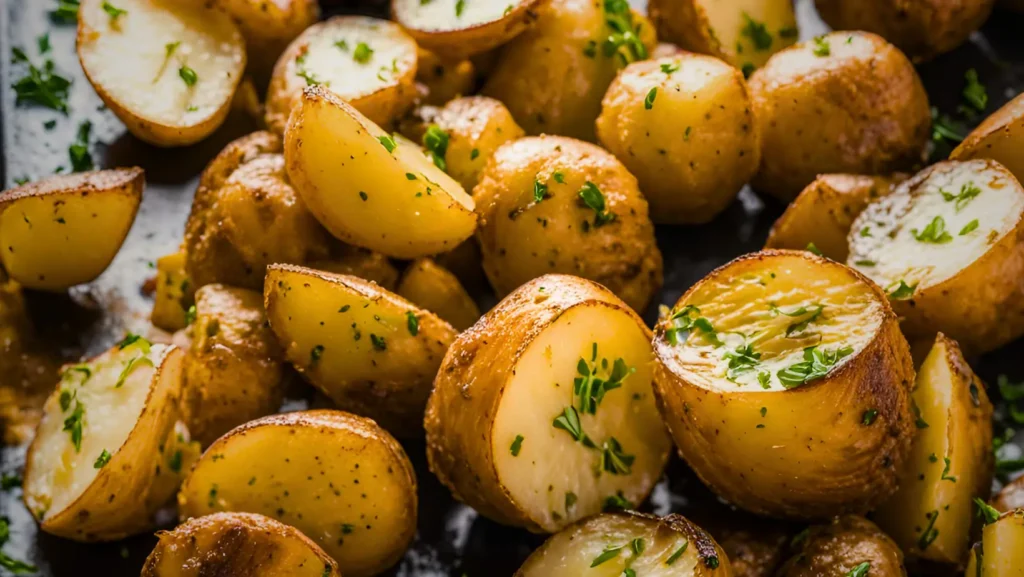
pixel 446 15
pixel 550 475
pixel 731 23
pixel 1003 555
pixel 1002 143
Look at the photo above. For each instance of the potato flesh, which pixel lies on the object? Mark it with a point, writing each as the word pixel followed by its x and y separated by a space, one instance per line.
pixel 173 297
pixel 551 464
pixel 882 240
pixel 443 15
pixel 1002 143
pixel 1002 555
pixel 728 21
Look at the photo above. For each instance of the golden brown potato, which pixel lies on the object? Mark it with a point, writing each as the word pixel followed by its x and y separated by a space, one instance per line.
pixel 754 550
pixel 466 263
pixel 920 28
pixel 365 264
pixel 785 381
pixel 543 411
pixel 268 27
pixel 684 126
pixel 174 294
pixel 476 27
pixel 246 215
pixel 843 102
pixel 550 204
pixel 435 289
pixel 445 79
pixel 1011 497
pixel 1000 137
pixel 849 545
pixel 999 554
pixel 823 213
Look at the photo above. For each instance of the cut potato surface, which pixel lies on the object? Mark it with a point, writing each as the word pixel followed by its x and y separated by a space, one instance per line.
pixel 543 412
pixel 1000 553
pixel 368 62
pixel 338 478
pixel 785 381
pixel 948 247
pixel 168 69
pixel 92 470
pixel 268 27
pixel 173 295
pixel 369 188
pixel 371 351
pixel 1000 137
pixel 434 288
pixel 65 230
pixel 457 28
pixel 613 544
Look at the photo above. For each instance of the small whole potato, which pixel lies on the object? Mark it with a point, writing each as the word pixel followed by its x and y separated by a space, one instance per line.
pixel 551 204
pixel 841 547
pixel 844 102
pixel 684 126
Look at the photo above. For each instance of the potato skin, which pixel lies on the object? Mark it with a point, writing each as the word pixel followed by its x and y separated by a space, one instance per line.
pixel 445 79
pixel 173 295
pixel 522 239
pixel 465 42
pixel 998 137
pixel 365 264
pixel 695 147
pixel 862 110
pixel 836 549
pixel 428 285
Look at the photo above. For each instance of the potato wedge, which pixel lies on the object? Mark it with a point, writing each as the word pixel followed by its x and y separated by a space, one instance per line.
pixel 445 79
pixel 841 547
pixel 234 365
pixel 550 204
pixel 369 189
pixel 999 137
pixel 785 381
pixel 168 69
pixel 237 544
pixel 338 478
pixel 1000 553
pixel 458 29
pixel 268 28
pixel 950 462
pixel 948 247
pixel 823 213
pixel 434 288
pixel 744 33
pixel 174 293
pixel 65 230
pixel 368 62
pixel 543 410
pixel 613 543
pixel 369 350
pixel 91 471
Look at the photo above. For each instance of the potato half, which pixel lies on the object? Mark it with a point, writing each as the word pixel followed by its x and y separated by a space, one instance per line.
pixel 613 544
pixel 846 102
pixel 368 62
pixel 237 544
pixel 1000 138
pixel 371 189
pixel 93 467
pixel 999 553
pixel 268 27
pixel 168 69
pixel 432 287
pixel 849 545
pixel 543 410
pixel 948 247
pixel 369 350
pixel 64 230
pixel 785 381
pixel 459 29
pixel 174 293
pixel 340 479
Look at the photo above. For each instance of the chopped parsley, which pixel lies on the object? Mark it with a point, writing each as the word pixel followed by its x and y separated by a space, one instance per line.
pixel 816 364
pixel 435 140
pixel 41 86
pixel 73 423
pixel 78 152
pixel 66 12
pixel 569 421
pixel 387 142
pixel 589 389
pixel 190 315
pixel 934 233
pixel 869 417
pixel 945 471
pixel 902 291
pixel 821 46
pixel 748 69
pixel 13 565
pixel 614 460
pixel 608 554
pixel 129 367
pixel 570 500
pixel 988 513
pixel 540 191
pixel 789 32
pixel 617 501
pixel 175 462
pixel 684 321
pixel 362 53
pixel 813 249
pixel 649 100
pixel 969 228
pixel 860 570
pixel 9 481
pixel 113 11
pixel 341 45
pixel 757 32
pixel 593 198
pixel 968 192
pixel 378 342
pixel 974 92
pixel 412 323
pixel 624 40
pixel 517 445
pixel 930 532
pixel 677 554
pixel 668 68
pixel 945 128
pixel 188 76
pixel 742 359
pixel 102 460
pixel 460 6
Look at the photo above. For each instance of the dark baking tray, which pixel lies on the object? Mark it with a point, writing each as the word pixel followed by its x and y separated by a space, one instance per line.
pixel 452 539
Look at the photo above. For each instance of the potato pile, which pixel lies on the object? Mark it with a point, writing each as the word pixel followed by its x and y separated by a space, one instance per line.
pixel 411 168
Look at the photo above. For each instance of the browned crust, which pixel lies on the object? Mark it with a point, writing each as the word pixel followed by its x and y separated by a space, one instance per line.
pixel 677 21
pixel 129 181
pixel 835 549
pixel 465 42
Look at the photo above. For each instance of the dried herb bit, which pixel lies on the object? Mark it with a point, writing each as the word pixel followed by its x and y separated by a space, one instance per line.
pixel 934 233
pixel 569 421
pixel 593 198
pixel 813 248
pixel 379 343
pixel 946 129
pixel 901 291
pixel 974 92
pixel 748 69
pixel 757 32
pixel 608 554
pixel 860 570
pixel 102 460
pixel 669 68
pixel 821 46
pixel 617 502
pixel 362 53
pixel 677 554
pixel 968 192
pixel 412 323
pixel 540 191
pixel 988 513
pixel 930 532
pixel 41 86
pixel 517 445
pixel 816 364
pixel 614 460
pixel 387 142
pixel 435 140
pixel 81 158
pixel 589 389
pixel 869 417
pixel 314 355
pixel 649 100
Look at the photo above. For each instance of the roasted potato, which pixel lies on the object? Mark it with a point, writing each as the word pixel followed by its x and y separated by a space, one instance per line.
pixel 785 380
pixel 1000 553
pixel 368 62
pixel 477 26
pixel 435 289
pixel 755 549
pixel 466 263
pixel 948 248
pixel 542 412
pixel 365 264
pixel 93 466
pixel 65 230
pixel 445 79
pixel 627 543
pixel 550 204
pixel 174 295
pixel 369 350
pixel 920 28
pixel 246 215
pixel 823 213
pixel 950 462
pixel 237 544
pixel 463 134
pixel 1011 497
pixel 234 365
pixel 368 188
pixel 338 478
pixel 268 27
pixel 843 102
pixel 999 137
pixel 684 126
pixel 168 69
pixel 744 33
pixel 849 545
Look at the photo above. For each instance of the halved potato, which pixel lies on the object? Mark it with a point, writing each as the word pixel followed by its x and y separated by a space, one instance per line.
pixel 458 29
pixel 174 293
pixel 543 411
pixel 369 350
pixel 848 546
pixel 268 27
pixel 785 381
pixel 613 544
pixel 338 478
pixel 434 288
pixel 948 247
pixel 824 212
pixel 999 553
pixel 64 230
pixel 237 544
pixel 168 69
pixel 368 188
pixel 91 471
pixel 1000 138
pixel 445 79
pixel 368 62
pixel 950 462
